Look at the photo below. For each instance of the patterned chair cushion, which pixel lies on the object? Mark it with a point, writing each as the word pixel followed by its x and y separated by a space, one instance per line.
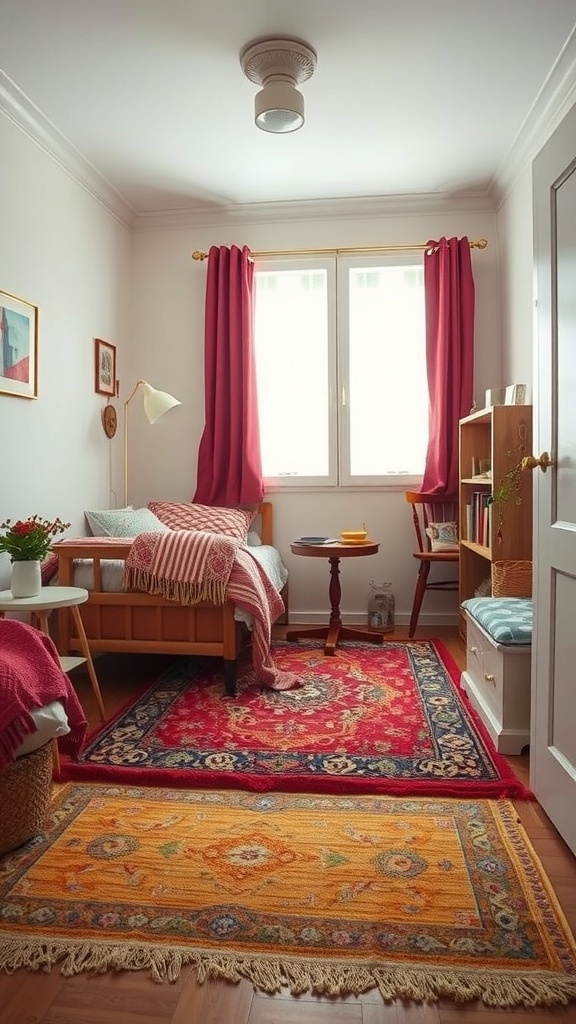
pixel 443 536
pixel 508 620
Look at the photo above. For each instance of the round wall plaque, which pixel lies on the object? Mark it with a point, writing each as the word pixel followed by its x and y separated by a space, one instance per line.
pixel 109 420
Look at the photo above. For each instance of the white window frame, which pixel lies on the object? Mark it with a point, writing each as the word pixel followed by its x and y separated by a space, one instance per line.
pixel 345 263
pixel 338 476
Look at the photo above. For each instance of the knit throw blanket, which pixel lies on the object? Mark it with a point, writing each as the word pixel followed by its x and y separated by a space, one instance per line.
pixel 186 566
pixel 30 677
pixel 189 566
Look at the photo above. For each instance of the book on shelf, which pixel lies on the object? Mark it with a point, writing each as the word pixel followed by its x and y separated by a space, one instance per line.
pixel 479 519
pixel 468 522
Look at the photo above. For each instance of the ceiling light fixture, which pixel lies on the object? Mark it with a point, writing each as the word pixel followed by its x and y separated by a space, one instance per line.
pixel 278 65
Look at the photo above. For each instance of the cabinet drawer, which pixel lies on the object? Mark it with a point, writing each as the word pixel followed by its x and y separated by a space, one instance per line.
pixel 493 669
pixel 484 666
pixel 497 681
pixel 476 640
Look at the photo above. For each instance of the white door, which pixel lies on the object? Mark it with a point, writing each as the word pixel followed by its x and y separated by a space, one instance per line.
pixel 553 730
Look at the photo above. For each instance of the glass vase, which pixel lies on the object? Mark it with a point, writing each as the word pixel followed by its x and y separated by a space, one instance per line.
pixel 381 608
pixel 26 580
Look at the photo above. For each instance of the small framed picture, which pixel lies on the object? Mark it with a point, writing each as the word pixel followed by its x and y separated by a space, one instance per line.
pixel 18 347
pixel 104 367
pixel 516 394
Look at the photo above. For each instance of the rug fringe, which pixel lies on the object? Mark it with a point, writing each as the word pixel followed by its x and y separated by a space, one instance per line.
pixel 269 974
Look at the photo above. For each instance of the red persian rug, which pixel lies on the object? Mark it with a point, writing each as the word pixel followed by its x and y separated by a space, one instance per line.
pixel 388 719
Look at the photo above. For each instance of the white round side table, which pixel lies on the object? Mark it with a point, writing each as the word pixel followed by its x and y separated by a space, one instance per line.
pixel 43 603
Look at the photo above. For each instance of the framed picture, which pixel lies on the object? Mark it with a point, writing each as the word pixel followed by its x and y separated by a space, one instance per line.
pixel 104 367
pixel 18 347
pixel 516 394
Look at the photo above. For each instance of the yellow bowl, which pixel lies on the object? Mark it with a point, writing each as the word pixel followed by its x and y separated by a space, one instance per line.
pixel 356 536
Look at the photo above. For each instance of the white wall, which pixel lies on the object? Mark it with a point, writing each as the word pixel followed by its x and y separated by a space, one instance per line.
pixel 515 257
pixel 61 251
pixel 513 185
pixel 66 253
pixel 168 351
pixel 515 228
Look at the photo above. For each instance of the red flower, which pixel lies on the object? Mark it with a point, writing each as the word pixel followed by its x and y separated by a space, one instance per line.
pixel 30 539
pixel 23 529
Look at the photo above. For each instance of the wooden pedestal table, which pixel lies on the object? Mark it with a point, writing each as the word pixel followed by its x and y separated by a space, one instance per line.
pixel 40 606
pixel 335 630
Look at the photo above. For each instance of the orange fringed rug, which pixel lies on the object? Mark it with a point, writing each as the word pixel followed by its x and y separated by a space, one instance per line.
pixel 421 898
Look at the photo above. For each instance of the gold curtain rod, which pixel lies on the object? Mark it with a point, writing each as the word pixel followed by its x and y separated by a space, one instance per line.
pixel 480 244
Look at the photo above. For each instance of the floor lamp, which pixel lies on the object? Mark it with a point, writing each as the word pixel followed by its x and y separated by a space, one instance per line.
pixel 155 403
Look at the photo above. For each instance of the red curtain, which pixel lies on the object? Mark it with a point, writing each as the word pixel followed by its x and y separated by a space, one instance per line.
pixel 229 468
pixel 449 298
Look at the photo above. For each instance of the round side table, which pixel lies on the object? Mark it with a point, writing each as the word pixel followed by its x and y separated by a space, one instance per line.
pixel 40 606
pixel 335 630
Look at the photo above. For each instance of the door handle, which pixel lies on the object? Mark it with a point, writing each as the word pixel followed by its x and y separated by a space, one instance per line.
pixel 530 462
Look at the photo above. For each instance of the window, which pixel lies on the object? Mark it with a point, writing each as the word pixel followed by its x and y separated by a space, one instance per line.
pixel 341 369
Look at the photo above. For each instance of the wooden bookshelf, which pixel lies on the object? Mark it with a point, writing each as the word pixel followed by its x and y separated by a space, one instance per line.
pixel 496 439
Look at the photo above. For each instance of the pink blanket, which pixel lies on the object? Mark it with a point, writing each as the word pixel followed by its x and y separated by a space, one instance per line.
pixel 191 565
pixel 30 677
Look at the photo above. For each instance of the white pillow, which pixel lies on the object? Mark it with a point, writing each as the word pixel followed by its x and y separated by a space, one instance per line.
pixel 124 522
pixel 253 540
pixel 49 721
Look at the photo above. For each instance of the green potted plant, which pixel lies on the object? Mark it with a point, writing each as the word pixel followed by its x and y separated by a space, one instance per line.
pixel 27 542
pixel 508 488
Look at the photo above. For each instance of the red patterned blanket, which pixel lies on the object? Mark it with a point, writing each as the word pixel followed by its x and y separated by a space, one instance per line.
pixel 191 565
pixel 30 677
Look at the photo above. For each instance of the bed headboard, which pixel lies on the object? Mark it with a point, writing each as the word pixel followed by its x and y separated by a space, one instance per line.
pixel 264 522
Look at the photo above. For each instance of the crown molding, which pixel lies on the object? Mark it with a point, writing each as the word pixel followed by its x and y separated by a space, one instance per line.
pixel 401 205
pixel 16 106
pixel 554 100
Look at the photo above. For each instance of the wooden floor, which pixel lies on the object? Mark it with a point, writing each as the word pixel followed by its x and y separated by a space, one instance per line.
pixel 132 998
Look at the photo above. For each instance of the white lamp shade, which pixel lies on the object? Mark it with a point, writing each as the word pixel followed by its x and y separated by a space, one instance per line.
pixel 279 108
pixel 156 403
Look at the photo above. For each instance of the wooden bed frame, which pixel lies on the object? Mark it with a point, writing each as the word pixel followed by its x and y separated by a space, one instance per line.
pixel 134 622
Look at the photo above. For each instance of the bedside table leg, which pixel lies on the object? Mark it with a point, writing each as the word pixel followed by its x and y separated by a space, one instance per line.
pixel 89 663
pixel 42 617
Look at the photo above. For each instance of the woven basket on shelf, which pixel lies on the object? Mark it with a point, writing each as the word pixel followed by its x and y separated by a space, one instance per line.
pixel 25 787
pixel 512 578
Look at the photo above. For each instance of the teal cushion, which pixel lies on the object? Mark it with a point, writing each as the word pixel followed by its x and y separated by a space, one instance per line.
pixel 123 522
pixel 508 620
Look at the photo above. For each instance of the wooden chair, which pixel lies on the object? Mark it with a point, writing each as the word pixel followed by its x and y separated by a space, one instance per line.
pixel 428 509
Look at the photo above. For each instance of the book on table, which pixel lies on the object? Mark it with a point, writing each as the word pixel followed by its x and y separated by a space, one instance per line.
pixel 313 541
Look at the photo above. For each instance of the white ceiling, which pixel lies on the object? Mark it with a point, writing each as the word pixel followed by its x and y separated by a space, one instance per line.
pixel 408 97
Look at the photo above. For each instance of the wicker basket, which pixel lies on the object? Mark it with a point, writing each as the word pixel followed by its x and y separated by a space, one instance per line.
pixel 512 578
pixel 25 787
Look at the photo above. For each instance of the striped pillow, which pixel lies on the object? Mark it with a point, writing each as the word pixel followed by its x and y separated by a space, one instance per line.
pixel 182 515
